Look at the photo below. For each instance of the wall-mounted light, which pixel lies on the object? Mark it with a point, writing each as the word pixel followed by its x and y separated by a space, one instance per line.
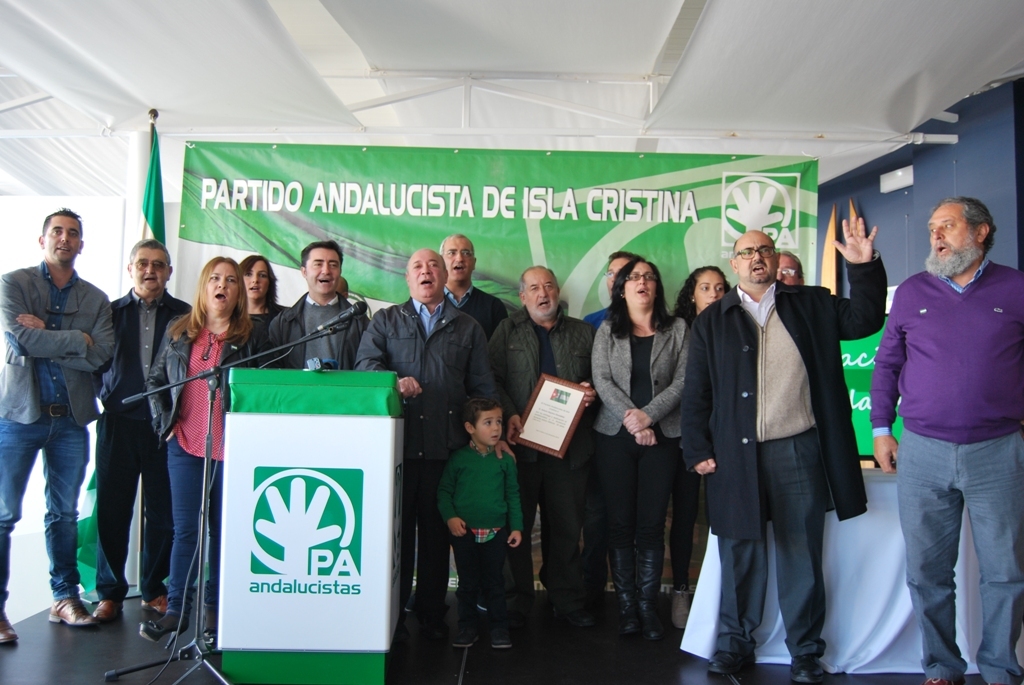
pixel 895 180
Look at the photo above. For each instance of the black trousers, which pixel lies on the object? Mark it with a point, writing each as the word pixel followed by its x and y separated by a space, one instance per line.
pixel 424 540
pixel 595 535
pixel 794 495
pixel 561 493
pixel 480 567
pixel 126 449
pixel 637 484
pixel 685 500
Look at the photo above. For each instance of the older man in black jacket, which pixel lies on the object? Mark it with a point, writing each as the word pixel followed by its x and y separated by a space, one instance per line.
pixel 538 339
pixel 766 417
pixel 440 356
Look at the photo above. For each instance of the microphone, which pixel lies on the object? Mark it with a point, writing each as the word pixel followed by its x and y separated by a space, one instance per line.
pixel 358 309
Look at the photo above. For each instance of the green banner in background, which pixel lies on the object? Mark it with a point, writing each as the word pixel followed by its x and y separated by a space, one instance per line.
pixel 566 210
pixel 858 365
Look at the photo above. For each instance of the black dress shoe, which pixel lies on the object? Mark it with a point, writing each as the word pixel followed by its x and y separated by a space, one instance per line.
pixel 154 630
pixel 728 663
pixel 580 618
pixel 806 669
pixel 434 630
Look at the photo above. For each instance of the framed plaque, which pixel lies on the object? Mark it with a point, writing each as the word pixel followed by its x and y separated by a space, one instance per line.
pixel 552 415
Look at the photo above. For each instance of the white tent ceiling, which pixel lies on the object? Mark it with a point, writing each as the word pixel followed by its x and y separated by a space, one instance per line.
pixel 841 81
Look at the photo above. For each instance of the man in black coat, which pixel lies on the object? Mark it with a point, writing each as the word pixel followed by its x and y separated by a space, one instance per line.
pixel 440 356
pixel 460 261
pixel 767 419
pixel 126 446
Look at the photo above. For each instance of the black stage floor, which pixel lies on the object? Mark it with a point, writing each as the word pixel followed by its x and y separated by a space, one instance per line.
pixel 546 652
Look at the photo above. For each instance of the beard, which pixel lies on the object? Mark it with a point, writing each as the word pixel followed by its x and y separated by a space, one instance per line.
pixel 956 263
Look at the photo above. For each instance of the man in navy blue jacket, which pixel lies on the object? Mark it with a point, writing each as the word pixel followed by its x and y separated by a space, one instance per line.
pixel 126 446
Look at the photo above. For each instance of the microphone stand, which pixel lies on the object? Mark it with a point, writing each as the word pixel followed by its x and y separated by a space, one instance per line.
pixel 197 649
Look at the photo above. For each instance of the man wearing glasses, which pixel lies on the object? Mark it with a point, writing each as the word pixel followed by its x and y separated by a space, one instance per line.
pixel 57 331
pixel 460 260
pixel 766 418
pixel 126 446
pixel 791 271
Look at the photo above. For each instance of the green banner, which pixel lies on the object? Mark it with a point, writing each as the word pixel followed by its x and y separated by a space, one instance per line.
pixel 565 210
pixel 858 365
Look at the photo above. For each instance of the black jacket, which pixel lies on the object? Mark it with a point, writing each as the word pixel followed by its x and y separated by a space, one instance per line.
pixel 122 376
pixel 719 400
pixel 172 366
pixel 288 326
pixel 451 366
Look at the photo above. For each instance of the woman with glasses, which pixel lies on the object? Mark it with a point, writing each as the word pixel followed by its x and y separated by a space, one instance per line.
pixel 217 331
pixel 260 289
pixel 638 361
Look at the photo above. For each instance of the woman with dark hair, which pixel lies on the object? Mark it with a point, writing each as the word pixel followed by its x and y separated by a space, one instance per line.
pixel 704 286
pixel 218 330
pixel 638 362
pixel 260 288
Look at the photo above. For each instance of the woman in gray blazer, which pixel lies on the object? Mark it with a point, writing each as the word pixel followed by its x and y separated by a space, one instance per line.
pixel 638 361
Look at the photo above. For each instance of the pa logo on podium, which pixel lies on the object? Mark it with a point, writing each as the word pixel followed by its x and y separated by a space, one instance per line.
pixel 307 529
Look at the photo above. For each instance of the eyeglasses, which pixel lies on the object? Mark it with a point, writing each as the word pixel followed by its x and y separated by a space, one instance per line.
pixel 788 272
pixel 748 253
pixel 646 277
pixel 144 264
pixel 465 253
pixel 209 348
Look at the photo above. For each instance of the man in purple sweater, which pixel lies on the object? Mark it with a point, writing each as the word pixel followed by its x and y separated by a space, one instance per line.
pixel 953 350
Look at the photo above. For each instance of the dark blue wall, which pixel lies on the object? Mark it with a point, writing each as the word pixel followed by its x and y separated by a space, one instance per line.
pixel 984 163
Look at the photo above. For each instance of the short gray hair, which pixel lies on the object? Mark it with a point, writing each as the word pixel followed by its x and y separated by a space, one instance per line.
pixel 538 267
pixel 453 236
pixel 975 214
pixel 799 264
pixel 149 244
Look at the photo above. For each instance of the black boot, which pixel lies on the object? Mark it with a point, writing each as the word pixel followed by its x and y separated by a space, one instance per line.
pixel 649 564
pixel 623 566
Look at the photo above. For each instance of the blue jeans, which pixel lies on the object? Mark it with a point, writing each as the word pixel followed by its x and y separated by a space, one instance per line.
pixel 65 447
pixel 186 472
pixel 934 480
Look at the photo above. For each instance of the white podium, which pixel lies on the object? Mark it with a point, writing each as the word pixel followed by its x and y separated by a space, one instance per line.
pixel 311 523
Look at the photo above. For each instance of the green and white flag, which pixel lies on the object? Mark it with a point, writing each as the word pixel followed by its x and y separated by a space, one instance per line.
pixel 153 198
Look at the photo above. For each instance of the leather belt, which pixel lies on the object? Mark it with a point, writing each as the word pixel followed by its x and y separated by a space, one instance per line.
pixel 55 410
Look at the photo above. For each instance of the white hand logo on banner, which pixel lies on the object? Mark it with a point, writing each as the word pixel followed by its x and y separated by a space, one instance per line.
pixel 297 528
pixel 753 210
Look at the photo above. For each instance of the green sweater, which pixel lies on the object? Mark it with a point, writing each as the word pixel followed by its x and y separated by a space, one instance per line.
pixel 480 489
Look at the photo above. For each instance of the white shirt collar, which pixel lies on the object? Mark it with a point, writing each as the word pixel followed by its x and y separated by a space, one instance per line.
pixel 758 310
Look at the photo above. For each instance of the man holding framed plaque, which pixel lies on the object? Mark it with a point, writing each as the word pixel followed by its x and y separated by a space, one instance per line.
pixel 541 339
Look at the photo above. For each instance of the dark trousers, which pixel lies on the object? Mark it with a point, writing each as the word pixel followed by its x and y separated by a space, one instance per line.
pixel 595 535
pixel 186 472
pixel 794 495
pixel 424 540
pixel 480 567
pixel 685 499
pixel 126 449
pixel 561 493
pixel 637 484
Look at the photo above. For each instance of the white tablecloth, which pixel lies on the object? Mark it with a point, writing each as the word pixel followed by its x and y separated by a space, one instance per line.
pixel 869 624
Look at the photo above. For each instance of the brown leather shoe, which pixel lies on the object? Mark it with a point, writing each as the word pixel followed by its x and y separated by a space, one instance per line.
pixel 157 604
pixel 107 610
pixel 72 612
pixel 7 633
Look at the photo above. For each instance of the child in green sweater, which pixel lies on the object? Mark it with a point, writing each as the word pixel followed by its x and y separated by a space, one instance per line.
pixel 479 498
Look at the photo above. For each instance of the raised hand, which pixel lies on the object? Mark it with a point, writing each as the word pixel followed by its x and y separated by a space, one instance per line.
pixel 860 245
